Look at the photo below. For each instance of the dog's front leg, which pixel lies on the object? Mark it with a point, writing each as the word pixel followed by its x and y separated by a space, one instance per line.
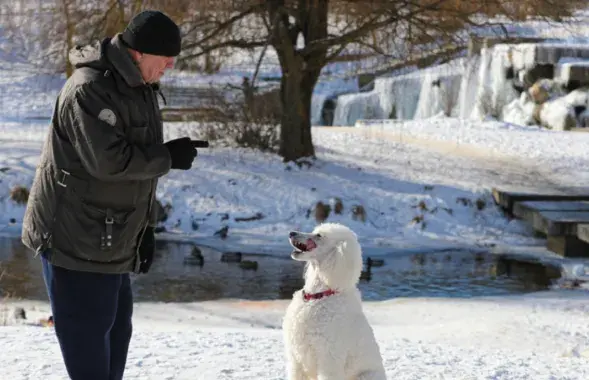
pixel 295 371
pixel 331 373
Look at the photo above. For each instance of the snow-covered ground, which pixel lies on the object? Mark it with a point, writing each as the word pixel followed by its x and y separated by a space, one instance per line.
pixel 540 336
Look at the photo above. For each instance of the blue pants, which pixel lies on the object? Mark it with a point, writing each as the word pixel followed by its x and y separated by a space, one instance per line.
pixel 92 315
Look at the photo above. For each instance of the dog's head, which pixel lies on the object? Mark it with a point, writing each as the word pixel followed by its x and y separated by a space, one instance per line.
pixel 332 252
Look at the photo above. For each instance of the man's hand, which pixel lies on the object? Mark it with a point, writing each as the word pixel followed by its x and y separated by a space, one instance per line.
pixel 146 250
pixel 200 143
pixel 182 151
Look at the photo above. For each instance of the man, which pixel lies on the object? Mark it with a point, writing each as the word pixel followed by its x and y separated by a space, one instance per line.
pixel 91 213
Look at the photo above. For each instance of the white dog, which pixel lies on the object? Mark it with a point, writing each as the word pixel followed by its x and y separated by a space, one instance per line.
pixel 326 334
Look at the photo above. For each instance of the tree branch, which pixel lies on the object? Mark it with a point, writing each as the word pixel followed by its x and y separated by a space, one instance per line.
pixel 371 24
pixel 222 26
pixel 259 63
pixel 239 44
pixel 344 39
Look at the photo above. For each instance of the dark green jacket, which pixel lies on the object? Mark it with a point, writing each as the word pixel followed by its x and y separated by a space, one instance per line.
pixel 94 188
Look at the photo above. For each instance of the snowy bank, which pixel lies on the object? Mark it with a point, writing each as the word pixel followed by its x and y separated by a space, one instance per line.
pixel 415 195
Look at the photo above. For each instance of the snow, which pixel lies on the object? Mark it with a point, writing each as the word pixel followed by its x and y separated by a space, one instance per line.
pixel 539 336
pixel 557 152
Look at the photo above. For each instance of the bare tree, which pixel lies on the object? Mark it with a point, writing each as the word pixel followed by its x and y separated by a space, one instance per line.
pixel 308 34
pixel 51 28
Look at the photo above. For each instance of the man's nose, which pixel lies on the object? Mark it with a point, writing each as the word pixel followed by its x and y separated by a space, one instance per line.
pixel 170 63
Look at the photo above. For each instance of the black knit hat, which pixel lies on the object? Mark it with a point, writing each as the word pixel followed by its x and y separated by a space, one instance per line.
pixel 152 32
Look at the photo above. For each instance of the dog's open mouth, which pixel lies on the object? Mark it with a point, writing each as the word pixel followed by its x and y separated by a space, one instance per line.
pixel 304 247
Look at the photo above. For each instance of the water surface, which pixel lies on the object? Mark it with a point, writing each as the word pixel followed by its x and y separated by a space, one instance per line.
pixel 179 274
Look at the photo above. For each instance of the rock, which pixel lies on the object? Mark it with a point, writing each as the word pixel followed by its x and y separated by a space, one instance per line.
pixel 257 216
pixel 194 261
pixel 222 233
pixel 248 265
pixel 584 119
pixel 231 257
pixel 370 262
pixel 540 71
pixel 536 114
pixel 539 92
pixel 19 313
pixel 573 73
pixel 557 115
pixel 418 259
pixel 366 276
pixel 159 229
pixel 163 212
pixel 196 252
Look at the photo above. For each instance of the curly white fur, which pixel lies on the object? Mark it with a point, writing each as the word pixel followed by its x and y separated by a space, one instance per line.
pixel 330 338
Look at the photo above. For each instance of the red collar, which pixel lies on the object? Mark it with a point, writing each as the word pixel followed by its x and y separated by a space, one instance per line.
pixel 316 296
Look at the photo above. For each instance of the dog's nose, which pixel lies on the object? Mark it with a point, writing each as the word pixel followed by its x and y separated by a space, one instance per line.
pixel 292 234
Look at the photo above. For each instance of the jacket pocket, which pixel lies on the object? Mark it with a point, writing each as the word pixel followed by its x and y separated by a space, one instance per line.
pixel 93 233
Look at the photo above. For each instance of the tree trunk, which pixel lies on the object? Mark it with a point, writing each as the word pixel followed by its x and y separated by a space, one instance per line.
pixel 69 37
pixel 300 72
pixel 295 134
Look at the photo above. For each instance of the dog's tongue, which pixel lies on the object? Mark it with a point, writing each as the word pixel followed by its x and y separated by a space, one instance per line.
pixel 311 244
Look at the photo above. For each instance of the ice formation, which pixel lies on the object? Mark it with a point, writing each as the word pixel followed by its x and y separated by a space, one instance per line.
pixel 420 94
pixel 545 84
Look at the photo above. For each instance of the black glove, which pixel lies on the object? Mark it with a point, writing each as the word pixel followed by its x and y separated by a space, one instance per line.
pixel 182 152
pixel 146 250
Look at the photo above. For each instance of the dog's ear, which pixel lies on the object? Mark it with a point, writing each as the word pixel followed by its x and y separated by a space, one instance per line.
pixel 342 265
pixel 351 257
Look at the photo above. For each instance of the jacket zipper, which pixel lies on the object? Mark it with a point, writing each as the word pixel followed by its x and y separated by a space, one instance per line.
pixel 158 136
pixel 151 195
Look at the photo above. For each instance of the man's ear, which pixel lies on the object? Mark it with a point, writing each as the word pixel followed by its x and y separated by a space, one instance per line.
pixel 135 54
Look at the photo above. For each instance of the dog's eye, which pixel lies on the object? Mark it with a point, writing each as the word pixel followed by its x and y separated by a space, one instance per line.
pixel 318 235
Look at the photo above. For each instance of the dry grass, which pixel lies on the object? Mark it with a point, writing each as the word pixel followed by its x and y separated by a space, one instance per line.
pixel 19 195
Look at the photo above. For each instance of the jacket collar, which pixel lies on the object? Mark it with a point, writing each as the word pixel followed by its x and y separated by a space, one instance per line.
pixel 123 63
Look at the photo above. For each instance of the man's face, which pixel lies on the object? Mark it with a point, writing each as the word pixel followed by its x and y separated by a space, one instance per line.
pixel 152 67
